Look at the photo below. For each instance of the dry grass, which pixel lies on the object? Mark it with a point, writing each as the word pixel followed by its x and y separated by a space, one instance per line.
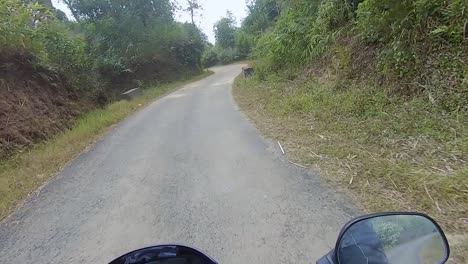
pixel 27 171
pixel 388 154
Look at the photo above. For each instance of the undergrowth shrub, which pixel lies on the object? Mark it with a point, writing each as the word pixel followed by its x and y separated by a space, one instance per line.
pixel 410 21
pixel 18 26
pixel 304 32
pixel 33 28
pixel 209 57
pixel 67 53
pixel 410 31
pixel 419 44
pixel 227 55
pixel 108 47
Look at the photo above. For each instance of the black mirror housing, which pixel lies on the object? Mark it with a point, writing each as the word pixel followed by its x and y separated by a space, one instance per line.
pixel 390 238
pixel 329 258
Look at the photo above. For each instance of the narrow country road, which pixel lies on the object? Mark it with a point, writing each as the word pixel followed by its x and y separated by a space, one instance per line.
pixel 413 252
pixel 189 168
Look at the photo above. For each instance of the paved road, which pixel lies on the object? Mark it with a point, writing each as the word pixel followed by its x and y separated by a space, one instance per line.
pixel 419 251
pixel 188 168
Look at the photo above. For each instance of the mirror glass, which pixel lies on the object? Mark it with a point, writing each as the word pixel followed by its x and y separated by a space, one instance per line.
pixel 392 239
pixel 170 254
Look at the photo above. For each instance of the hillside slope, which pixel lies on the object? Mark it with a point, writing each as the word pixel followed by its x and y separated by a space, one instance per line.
pixel 374 94
pixel 35 103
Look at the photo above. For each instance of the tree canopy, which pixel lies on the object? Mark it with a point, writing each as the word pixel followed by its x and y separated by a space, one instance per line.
pixel 225 30
pixel 110 44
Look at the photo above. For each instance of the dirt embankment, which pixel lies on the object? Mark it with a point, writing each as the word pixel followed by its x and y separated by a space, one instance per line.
pixel 36 103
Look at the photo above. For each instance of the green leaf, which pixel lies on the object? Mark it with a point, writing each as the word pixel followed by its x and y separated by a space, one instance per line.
pixel 440 30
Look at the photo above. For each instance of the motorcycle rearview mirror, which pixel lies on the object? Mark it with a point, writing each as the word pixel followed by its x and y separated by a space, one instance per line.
pixel 388 238
pixel 166 254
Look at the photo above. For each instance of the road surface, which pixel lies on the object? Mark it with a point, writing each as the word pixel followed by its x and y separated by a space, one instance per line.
pixel 188 168
pixel 427 249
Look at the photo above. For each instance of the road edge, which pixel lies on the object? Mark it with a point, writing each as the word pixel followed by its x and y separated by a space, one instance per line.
pixel 33 165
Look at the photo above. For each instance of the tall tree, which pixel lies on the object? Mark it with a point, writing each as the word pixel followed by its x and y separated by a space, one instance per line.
pixel 193 7
pixel 144 10
pixel 225 31
pixel 262 14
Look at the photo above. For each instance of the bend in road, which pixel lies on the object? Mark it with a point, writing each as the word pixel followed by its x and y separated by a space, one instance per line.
pixel 189 168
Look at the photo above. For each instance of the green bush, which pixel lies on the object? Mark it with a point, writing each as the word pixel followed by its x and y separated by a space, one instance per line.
pixel 303 32
pixel 331 15
pixel 416 42
pixel 409 21
pixel 228 55
pixel 32 28
pixel 64 50
pixel 16 29
pixel 109 45
pixel 244 43
pixel 209 57
pixel 408 28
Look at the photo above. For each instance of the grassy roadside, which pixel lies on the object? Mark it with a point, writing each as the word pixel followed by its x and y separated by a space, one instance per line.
pixel 387 153
pixel 24 173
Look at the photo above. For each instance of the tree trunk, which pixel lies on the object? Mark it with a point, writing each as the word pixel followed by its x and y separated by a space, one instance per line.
pixel 192 14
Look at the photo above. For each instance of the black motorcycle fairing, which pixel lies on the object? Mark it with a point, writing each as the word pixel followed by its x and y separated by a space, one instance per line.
pixel 165 254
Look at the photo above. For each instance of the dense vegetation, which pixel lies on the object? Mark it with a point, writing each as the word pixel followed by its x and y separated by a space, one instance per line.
pixel 108 48
pixel 374 92
pixel 60 79
pixel 232 43
pixel 421 42
pixel 112 45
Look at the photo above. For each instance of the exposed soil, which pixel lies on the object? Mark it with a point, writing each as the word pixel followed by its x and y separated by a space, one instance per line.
pixel 35 103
